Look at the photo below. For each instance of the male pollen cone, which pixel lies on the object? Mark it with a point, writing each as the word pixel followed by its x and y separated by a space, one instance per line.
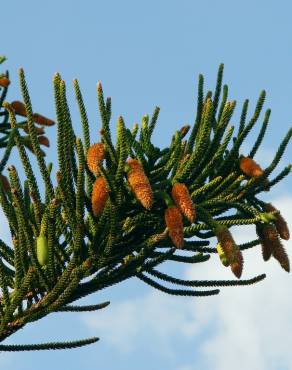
pixel 265 244
pixel 281 256
pixel 19 108
pixel 43 140
pixel 183 200
pixel 99 195
pixel 280 222
pixel 5 183
pixel 41 120
pixel 4 82
pixel 39 130
pixel 95 155
pixel 174 223
pixel 236 267
pixel 250 168
pixel 140 184
pixel 271 245
pixel 269 239
pixel 230 249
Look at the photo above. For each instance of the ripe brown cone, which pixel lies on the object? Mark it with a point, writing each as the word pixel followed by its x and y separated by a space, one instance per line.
pixel 230 249
pixel 43 140
pixel 272 245
pixel 4 82
pixel 237 266
pixel 140 184
pixel 174 223
pixel 95 155
pixel 19 109
pixel 39 130
pixel 99 196
pixel 265 243
pixel 41 120
pixel 280 222
pixel 250 168
pixel 281 256
pixel 30 148
pixel 5 183
pixel 183 200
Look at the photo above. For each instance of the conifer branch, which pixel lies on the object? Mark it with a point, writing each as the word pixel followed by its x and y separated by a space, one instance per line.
pixel 139 210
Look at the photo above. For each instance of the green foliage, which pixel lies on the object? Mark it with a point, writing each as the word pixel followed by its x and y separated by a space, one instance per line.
pixel 42 275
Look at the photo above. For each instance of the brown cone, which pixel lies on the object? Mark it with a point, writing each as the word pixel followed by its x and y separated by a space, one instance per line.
pixel 4 82
pixel 183 200
pixel 99 195
pixel 140 184
pixel 174 223
pixel 5 183
pixel 249 167
pixel 281 256
pixel 95 155
pixel 280 223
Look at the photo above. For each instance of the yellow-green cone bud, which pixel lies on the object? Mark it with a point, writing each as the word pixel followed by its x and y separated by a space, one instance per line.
pixel 266 217
pixel 222 256
pixel 42 250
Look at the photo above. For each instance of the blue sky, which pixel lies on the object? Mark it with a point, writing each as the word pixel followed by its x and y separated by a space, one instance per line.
pixel 147 54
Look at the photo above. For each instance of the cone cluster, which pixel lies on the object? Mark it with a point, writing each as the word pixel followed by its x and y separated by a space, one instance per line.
pixel 100 191
pixel 173 215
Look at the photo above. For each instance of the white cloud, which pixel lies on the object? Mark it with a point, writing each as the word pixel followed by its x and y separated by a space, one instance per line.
pixel 157 317
pixel 250 324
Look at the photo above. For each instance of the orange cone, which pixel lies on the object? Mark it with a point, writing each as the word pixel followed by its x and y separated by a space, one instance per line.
pixel 99 196
pixel 140 184
pixel 174 223
pixel 95 155
pixel 183 200
pixel 250 168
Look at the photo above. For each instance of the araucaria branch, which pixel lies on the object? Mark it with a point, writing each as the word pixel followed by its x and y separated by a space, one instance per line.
pixel 124 208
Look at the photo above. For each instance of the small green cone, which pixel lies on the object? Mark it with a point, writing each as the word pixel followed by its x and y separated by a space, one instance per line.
pixel 42 250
